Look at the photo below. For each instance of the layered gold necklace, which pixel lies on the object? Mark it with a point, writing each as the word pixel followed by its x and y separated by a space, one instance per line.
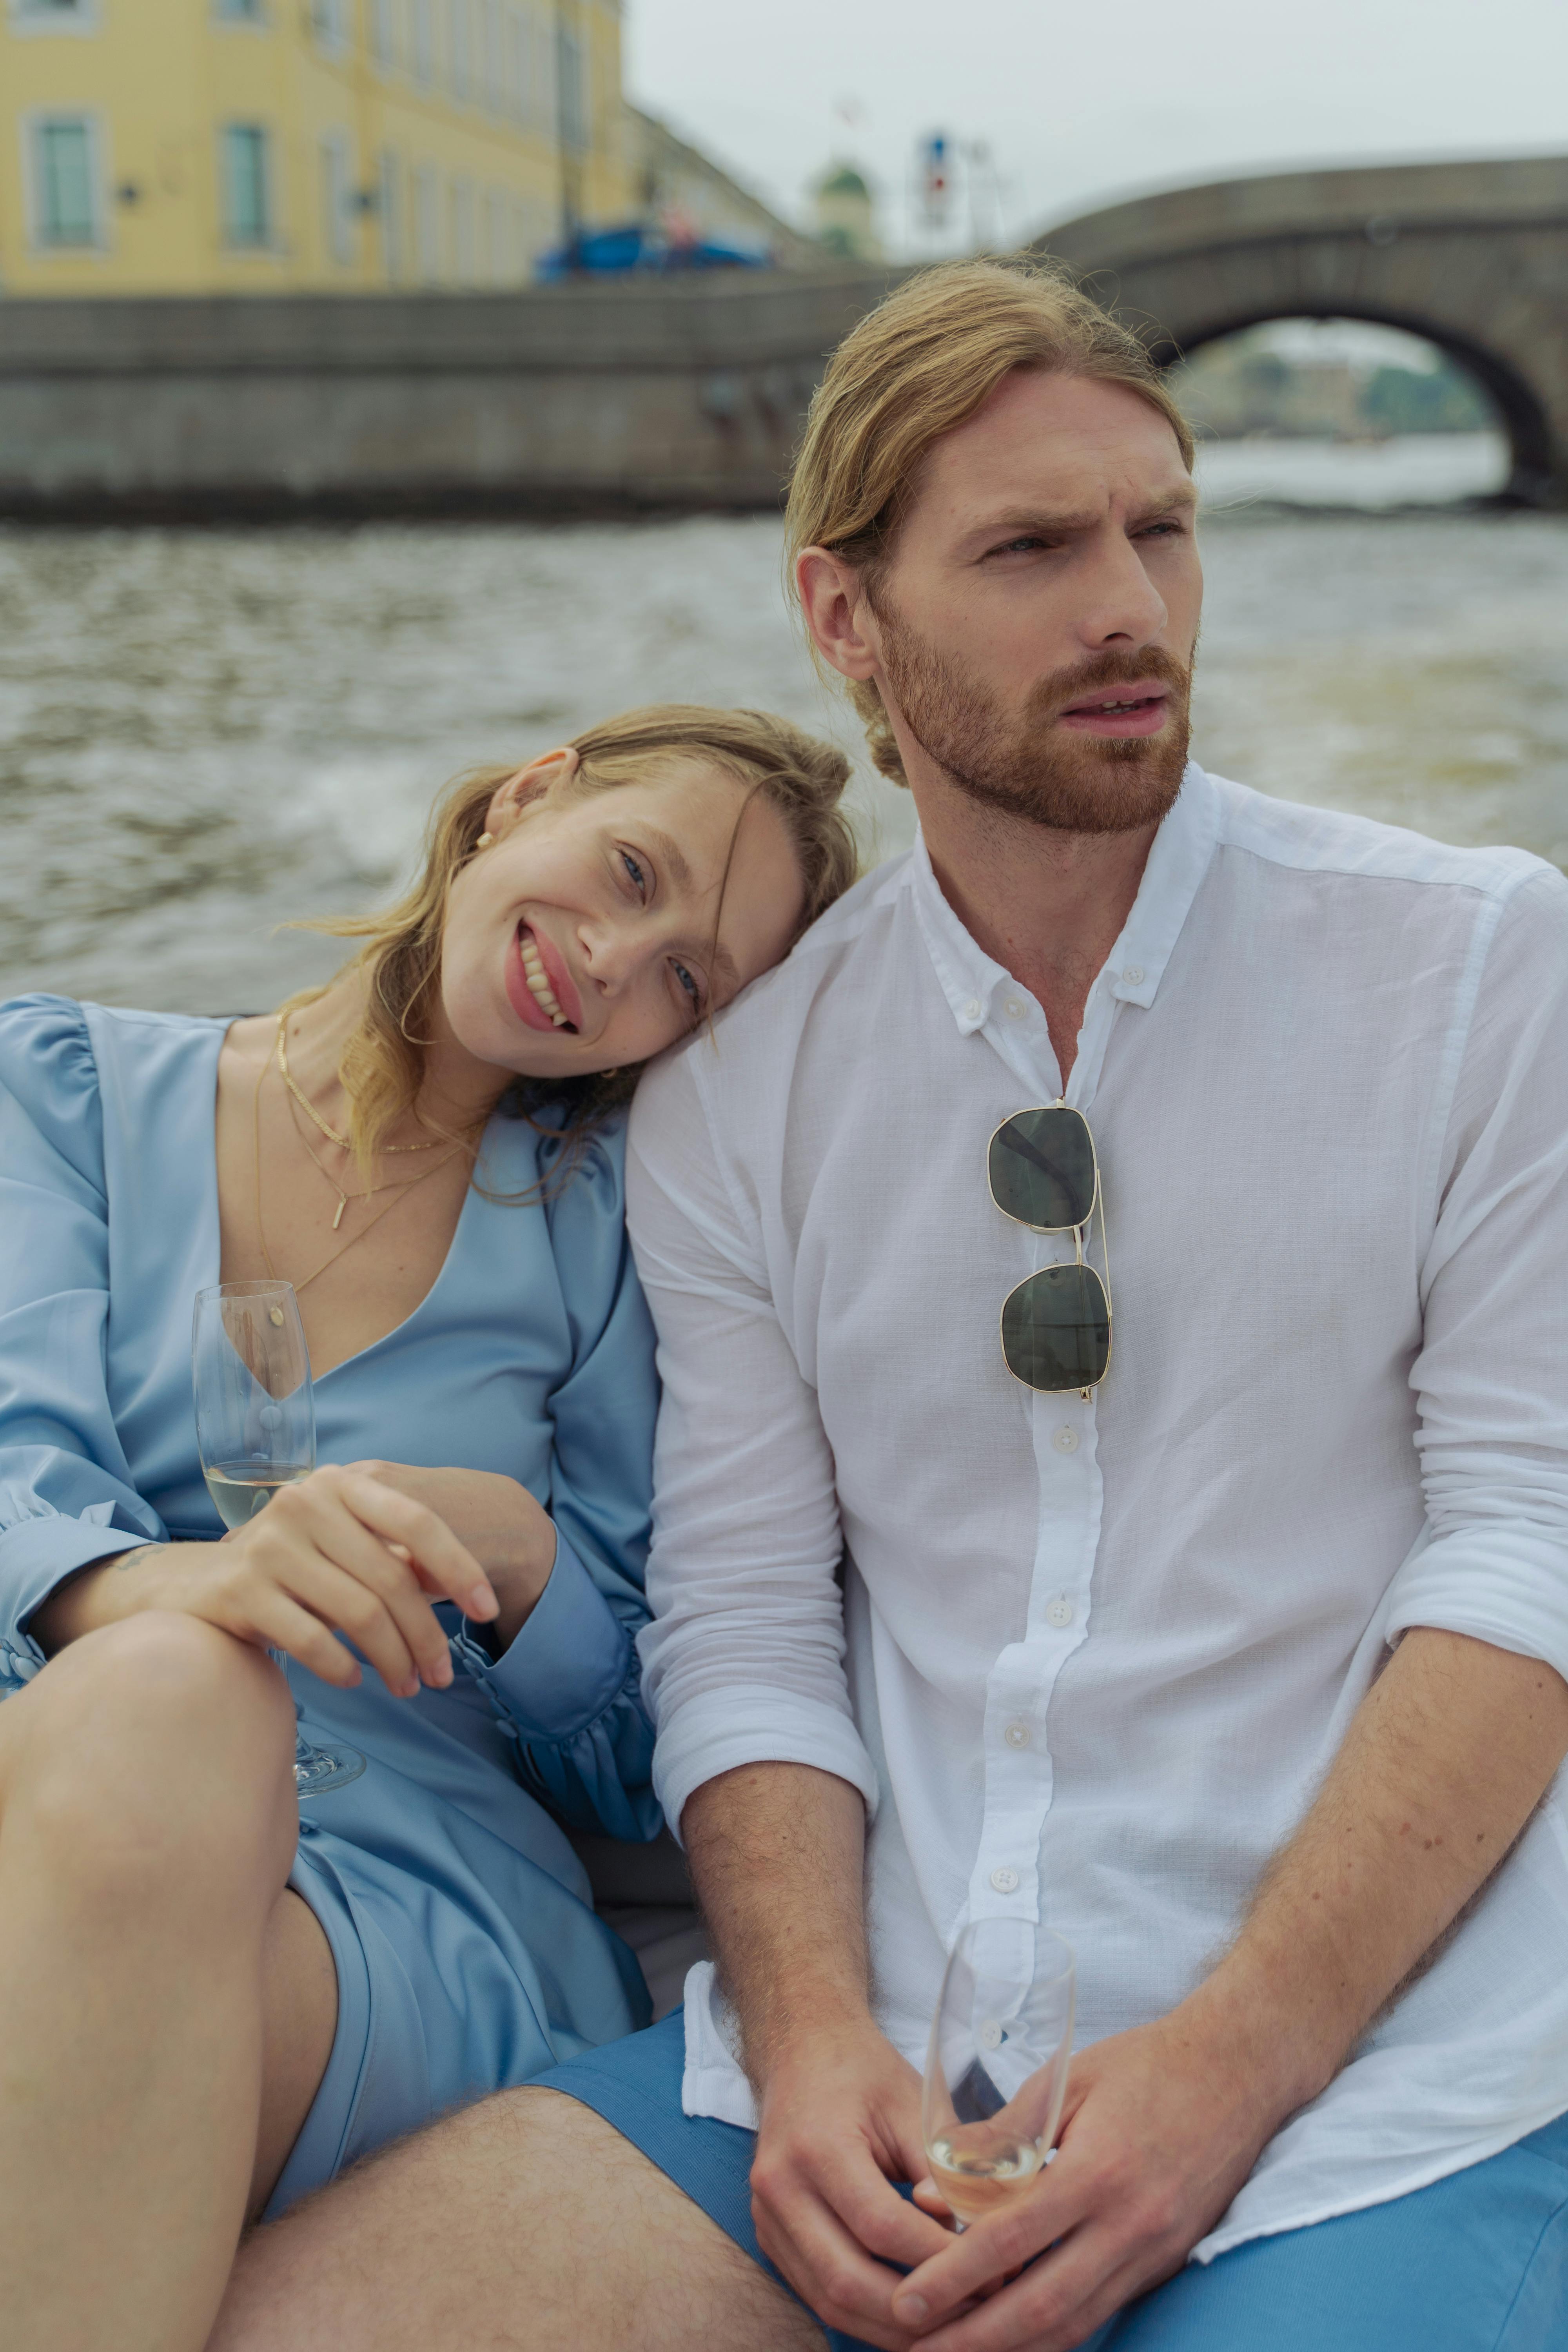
pixel 400 1188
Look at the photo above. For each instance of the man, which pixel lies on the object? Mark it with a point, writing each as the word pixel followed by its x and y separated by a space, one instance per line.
pixel 1238 1656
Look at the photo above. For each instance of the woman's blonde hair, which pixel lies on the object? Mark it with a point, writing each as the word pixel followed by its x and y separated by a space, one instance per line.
pixel 916 367
pixel 800 776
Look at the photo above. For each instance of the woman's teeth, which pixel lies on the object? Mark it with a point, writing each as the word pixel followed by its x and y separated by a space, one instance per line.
pixel 538 986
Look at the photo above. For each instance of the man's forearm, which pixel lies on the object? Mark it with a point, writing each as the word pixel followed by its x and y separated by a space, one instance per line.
pixel 777 1857
pixel 1444 1763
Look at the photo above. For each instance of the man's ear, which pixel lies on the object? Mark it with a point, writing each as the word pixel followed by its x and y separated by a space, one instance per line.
pixel 834 604
pixel 525 784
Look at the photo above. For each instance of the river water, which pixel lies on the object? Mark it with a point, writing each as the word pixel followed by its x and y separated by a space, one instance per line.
pixel 203 734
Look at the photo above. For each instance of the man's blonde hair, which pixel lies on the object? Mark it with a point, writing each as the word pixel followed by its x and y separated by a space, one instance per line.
pixel 916 366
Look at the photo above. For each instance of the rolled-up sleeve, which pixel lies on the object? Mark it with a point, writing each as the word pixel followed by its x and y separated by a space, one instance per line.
pixel 1492 1377
pixel 66 1493
pixel 744 1660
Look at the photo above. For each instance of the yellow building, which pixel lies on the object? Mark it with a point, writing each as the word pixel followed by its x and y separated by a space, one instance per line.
pixel 257 146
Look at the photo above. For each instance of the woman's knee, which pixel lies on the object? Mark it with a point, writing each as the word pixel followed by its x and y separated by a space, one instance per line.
pixel 157 1744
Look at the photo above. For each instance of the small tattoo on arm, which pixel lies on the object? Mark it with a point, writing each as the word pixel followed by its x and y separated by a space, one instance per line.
pixel 141 1552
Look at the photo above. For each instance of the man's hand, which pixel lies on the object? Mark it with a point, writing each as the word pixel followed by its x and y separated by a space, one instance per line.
pixel 839 2122
pixel 1162 2126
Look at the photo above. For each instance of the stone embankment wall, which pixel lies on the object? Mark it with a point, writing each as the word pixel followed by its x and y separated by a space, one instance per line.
pixel 562 400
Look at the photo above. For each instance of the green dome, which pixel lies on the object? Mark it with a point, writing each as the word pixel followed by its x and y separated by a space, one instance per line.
pixel 845 182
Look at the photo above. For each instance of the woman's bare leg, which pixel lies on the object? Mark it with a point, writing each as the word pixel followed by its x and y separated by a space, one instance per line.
pixel 147 1827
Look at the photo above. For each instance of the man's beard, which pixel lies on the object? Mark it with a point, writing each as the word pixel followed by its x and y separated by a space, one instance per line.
pixel 1022 765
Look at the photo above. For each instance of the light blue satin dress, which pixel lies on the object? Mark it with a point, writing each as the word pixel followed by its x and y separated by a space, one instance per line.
pixel 467 1956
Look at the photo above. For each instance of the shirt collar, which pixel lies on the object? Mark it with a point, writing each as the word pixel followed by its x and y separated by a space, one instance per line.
pixel 1177 863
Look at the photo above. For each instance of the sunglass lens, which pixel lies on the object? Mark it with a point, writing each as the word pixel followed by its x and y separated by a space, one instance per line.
pixel 1056 1328
pixel 1042 1169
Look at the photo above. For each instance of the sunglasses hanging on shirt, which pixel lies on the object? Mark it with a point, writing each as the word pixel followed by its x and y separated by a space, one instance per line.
pixel 1056 1326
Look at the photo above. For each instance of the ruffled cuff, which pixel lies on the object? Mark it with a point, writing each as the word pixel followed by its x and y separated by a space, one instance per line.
pixel 566 1663
pixel 35 1558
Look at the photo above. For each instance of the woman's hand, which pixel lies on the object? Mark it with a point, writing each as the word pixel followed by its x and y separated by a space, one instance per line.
pixel 340 1551
pixel 498 1520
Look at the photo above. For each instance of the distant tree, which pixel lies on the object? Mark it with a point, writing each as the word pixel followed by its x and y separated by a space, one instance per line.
pixel 1433 399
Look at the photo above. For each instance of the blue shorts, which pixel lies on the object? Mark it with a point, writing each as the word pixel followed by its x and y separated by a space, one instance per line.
pixel 1478 2263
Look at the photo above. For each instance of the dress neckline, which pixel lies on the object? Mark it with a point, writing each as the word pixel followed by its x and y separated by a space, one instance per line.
pixel 214 1223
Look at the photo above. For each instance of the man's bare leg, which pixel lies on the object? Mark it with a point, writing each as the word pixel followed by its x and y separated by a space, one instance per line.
pixel 527 2220
pixel 166 2020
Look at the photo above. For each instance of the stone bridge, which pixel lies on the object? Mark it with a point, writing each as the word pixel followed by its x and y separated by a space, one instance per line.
pixel 1472 256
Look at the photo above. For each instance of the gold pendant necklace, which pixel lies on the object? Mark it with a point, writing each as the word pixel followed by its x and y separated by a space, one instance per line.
pixel 276 1313
pixel 343 1143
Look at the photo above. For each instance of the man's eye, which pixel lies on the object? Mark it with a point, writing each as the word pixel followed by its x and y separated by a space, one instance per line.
pixel 1017 546
pixel 637 876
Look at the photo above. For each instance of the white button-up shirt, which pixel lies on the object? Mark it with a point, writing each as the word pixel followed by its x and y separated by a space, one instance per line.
pixel 1088 1658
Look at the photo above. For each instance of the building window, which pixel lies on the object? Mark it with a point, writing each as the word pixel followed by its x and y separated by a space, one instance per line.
pixel 247 186
pixel 389 206
pixel 66 204
pixel 517 74
pixel 337 199
pixel 571 95
pixel 422 42
pixel 495 268
pixel 53 15
pixel 463 269
pixel 460 52
pixel 383 33
pixel 427 225
pixel 329 22
pixel 494 90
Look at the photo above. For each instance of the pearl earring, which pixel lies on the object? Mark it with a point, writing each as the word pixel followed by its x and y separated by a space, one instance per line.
pixel 484 841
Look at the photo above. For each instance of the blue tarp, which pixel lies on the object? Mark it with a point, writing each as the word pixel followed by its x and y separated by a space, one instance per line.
pixel 614 252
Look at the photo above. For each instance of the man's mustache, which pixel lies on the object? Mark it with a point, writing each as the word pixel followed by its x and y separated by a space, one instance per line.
pixel 1058 692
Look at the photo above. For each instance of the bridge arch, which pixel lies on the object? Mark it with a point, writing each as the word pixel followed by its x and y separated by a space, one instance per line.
pixel 1472 257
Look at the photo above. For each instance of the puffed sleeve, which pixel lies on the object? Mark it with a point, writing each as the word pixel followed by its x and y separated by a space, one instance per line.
pixel 66 1492
pixel 568 1689
pixel 1493 1438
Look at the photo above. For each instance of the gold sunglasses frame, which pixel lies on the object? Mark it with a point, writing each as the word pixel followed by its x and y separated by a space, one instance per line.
pixel 1078 1231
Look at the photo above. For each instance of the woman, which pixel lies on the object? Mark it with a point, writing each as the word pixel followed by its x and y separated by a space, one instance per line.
pixel 199 2021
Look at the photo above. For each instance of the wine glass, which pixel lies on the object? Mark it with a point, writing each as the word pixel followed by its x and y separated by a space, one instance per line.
pixel 255 1430
pixel 996 2070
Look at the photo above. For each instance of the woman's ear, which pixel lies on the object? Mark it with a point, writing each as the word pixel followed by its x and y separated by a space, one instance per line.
pixel 529 783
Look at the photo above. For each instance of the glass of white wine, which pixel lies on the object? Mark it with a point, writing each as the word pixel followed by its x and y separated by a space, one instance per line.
pixel 996 2071
pixel 255 1430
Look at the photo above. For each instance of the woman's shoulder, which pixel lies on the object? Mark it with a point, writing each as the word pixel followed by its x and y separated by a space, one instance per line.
pixel 56 1051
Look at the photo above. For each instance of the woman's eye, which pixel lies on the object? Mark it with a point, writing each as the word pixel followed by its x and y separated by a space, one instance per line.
pixel 690 983
pixel 638 877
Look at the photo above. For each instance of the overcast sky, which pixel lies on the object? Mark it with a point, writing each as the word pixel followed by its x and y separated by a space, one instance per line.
pixel 1076 104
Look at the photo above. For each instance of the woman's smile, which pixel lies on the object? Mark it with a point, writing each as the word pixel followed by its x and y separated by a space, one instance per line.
pixel 539 984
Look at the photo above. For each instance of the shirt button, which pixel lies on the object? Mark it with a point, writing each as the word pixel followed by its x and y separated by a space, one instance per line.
pixel 1005 1880
pixel 1015 1008
pixel 1016 1734
pixel 1059 1612
pixel 1066 1439
pixel 1133 974
pixel 973 1009
pixel 991 2036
